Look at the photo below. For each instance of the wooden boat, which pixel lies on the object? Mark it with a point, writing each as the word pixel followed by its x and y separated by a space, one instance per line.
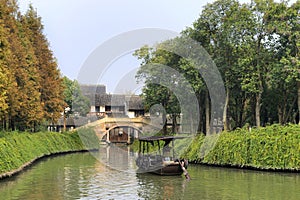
pixel 160 161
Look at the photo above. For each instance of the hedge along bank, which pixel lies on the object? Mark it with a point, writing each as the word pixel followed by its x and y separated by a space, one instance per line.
pixel 271 148
pixel 18 150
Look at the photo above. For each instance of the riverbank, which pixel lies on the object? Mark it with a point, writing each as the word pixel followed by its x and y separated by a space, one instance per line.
pixel 19 150
pixel 274 148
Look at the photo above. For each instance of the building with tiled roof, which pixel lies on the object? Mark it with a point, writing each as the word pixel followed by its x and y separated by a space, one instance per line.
pixel 112 105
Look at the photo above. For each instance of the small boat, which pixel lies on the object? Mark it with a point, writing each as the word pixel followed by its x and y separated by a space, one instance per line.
pixel 160 160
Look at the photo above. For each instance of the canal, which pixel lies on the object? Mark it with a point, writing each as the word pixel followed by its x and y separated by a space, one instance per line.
pixel 82 176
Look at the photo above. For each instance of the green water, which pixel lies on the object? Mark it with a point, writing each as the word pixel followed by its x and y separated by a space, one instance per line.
pixel 82 176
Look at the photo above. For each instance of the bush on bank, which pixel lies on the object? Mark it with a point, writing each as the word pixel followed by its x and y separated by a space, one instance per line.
pixel 17 149
pixel 274 147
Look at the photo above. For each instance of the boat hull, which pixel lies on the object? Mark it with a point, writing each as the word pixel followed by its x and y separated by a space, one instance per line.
pixel 165 168
pixel 169 170
pixel 161 160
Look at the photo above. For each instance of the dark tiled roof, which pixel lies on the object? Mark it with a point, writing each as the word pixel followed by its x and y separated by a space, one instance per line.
pixel 93 89
pixel 98 97
pixel 110 100
pixel 135 103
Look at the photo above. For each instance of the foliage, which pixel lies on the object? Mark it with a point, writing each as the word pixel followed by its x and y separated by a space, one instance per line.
pixel 192 153
pixel 16 148
pixel 74 98
pixel 273 147
pixel 30 86
pixel 255 47
pixel 158 79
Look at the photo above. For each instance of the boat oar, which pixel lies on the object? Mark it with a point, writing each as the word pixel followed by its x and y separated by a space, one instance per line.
pixel 185 172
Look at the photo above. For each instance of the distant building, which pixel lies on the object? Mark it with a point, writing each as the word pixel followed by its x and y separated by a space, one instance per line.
pixel 135 106
pixel 112 105
pixel 91 91
pixel 102 105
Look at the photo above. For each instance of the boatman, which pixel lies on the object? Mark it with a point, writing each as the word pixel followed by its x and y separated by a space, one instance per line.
pixel 185 172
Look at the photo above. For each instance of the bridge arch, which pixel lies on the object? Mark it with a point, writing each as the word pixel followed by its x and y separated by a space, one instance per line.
pixel 121 133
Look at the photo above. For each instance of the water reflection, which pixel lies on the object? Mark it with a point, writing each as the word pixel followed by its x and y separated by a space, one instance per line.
pixel 117 157
pixel 161 187
pixel 51 178
pixel 82 176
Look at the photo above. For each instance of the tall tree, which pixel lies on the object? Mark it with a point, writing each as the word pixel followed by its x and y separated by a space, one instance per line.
pixel 52 89
pixel 16 63
pixel 158 78
pixel 4 71
pixel 31 113
pixel 224 30
pixel 256 48
pixel 31 89
pixel 287 26
pixel 280 28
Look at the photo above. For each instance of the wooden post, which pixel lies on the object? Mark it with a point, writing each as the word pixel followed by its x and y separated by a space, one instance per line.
pixel 173 149
pixel 140 147
pixel 159 151
pixel 107 137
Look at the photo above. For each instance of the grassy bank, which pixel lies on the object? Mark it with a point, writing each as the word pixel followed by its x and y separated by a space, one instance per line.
pixel 274 147
pixel 18 150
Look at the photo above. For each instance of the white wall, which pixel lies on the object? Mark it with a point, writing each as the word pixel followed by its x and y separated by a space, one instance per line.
pixel 93 109
pixel 131 114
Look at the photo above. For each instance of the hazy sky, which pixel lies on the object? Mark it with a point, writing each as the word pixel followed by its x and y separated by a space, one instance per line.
pixel 75 28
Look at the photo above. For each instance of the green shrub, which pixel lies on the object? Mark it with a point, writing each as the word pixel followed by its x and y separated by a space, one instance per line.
pixel 272 147
pixel 16 149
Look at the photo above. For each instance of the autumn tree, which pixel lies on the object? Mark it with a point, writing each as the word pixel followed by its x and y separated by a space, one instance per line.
pixel 50 80
pixel 4 70
pixel 31 90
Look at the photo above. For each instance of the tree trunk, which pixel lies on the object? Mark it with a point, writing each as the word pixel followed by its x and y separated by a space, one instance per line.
pixel 174 123
pixel 164 121
pixel 242 113
pixel 257 109
pixel 200 127
pixel 290 117
pixel 225 119
pixel 201 115
pixel 260 86
pixel 280 118
pixel 298 92
pixel 207 114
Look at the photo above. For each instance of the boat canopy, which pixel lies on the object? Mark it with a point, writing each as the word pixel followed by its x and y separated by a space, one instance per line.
pixel 160 138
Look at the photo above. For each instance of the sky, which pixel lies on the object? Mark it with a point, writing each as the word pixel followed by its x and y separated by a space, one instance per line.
pixel 75 29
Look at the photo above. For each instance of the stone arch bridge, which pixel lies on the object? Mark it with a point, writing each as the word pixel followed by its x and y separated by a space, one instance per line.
pixel 122 130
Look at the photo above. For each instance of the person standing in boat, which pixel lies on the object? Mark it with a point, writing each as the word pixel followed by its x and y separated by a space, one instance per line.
pixel 185 172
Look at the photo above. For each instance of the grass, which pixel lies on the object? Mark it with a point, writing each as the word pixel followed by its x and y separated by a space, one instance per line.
pixel 17 149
